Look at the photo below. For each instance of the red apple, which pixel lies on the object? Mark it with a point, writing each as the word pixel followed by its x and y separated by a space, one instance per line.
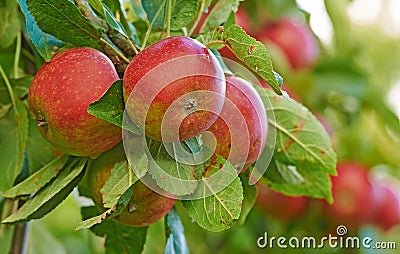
pixel 60 94
pixel 145 206
pixel 241 128
pixel 386 212
pixel 352 194
pixel 178 74
pixel 243 20
pixel 279 206
pixel 294 38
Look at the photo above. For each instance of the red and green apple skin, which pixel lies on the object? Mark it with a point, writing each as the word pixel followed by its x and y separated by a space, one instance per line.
pixel 145 206
pixel 177 73
pixel 60 94
pixel 242 127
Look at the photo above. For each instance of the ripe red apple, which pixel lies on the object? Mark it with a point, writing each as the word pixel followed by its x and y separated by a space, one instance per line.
pixel 386 212
pixel 145 206
pixel 179 74
pixel 352 194
pixel 241 128
pixel 279 206
pixel 60 94
pixel 294 38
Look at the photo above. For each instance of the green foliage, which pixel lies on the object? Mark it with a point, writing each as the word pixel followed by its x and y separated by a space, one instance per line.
pixel 45 44
pixel 9 23
pixel 253 53
pixel 217 210
pixel 303 157
pixel 249 198
pixel 348 86
pixel 218 14
pixel 49 196
pixel 37 180
pixel 13 138
pixel 64 21
pixel 174 177
pixel 119 238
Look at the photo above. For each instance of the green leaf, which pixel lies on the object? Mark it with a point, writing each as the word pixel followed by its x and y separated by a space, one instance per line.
pixel 13 139
pixel 119 238
pixel 64 20
pixel 48 197
pixel 176 178
pixel 253 53
pixel 39 151
pixel 9 23
pixel 218 211
pixel 183 12
pixel 37 180
pixel 176 242
pixel 250 195
pixel 121 178
pixel 94 220
pixel 219 14
pixel 113 22
pixel 4 109
pixel 299 180
pixel 151 7
pixel 302 143
pixel 110 107
pixel 44 43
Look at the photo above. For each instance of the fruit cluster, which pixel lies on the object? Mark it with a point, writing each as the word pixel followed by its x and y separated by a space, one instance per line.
pixel 174 90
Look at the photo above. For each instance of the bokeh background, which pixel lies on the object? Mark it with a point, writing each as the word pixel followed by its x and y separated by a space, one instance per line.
pixel 341 59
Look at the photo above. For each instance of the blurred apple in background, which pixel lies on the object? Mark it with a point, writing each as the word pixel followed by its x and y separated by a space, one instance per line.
pixel 294 38
pixel 279 206
pixel 352 194
pixel 386 202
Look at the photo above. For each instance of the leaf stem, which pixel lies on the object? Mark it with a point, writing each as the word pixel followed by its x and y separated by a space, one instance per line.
pixel 198 17
pixel 115 50
pixel 146 37
pixel 214 43
pixel 17 56
pixel 10 90
pixel 169 14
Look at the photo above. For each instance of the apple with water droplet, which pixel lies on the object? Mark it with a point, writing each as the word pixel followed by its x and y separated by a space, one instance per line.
pixel 60 94
pixel 174 89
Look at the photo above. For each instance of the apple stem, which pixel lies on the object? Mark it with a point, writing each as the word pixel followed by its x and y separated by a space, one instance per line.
pixel 10 90
pixel 169 14
pixel 214 43
pixel 198 17
pixel 17 55
pixel 115 50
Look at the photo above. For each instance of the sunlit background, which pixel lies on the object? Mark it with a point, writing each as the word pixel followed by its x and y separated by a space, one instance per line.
pixel 381 13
